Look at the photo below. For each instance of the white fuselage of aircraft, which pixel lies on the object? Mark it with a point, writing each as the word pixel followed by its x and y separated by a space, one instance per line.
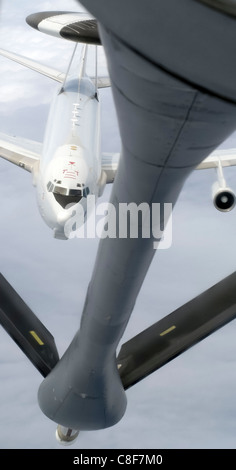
pixel 70 165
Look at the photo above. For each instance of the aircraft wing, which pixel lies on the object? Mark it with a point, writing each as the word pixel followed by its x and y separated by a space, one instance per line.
pixel 227 158
pixel 22 152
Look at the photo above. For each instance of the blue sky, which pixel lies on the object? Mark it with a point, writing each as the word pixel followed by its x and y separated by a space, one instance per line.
pixel 190 403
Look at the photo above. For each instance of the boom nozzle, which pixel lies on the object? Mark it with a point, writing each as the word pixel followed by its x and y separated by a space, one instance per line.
pixel 66 436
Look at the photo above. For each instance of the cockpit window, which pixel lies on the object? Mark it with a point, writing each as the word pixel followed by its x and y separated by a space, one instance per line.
pixel 65 200
pixel 50 186
pixel 65 196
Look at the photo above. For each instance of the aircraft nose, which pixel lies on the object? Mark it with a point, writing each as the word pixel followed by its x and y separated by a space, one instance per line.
pixel 64 216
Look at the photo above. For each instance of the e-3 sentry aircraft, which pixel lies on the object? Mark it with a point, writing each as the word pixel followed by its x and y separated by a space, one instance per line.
pixel 175 102
pixel 68 166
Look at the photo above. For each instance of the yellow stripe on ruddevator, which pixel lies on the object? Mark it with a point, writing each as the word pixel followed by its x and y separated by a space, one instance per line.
pixel 37 338
pixel 168 330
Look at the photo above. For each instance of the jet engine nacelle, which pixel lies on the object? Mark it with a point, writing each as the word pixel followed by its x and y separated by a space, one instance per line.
pixel 223 197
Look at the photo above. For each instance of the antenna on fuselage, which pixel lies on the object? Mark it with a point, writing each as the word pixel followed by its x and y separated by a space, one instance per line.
pixel 96 72
pixel 83 61
pixel 68 69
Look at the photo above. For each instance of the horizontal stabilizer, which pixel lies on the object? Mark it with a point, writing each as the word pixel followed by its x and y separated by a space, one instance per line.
pixel 101 82
pixel 77 27
pixel 175 333
pixel 110 162
pixel 54 74
pixel 26 329
pixel 22 152
pixel 34 65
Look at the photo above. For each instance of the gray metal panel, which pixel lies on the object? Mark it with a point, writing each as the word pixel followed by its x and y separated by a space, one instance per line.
pixel 167 127
pixel 227 6
pixel 186 38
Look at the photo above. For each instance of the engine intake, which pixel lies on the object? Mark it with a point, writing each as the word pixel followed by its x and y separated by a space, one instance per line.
pixel 223 198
